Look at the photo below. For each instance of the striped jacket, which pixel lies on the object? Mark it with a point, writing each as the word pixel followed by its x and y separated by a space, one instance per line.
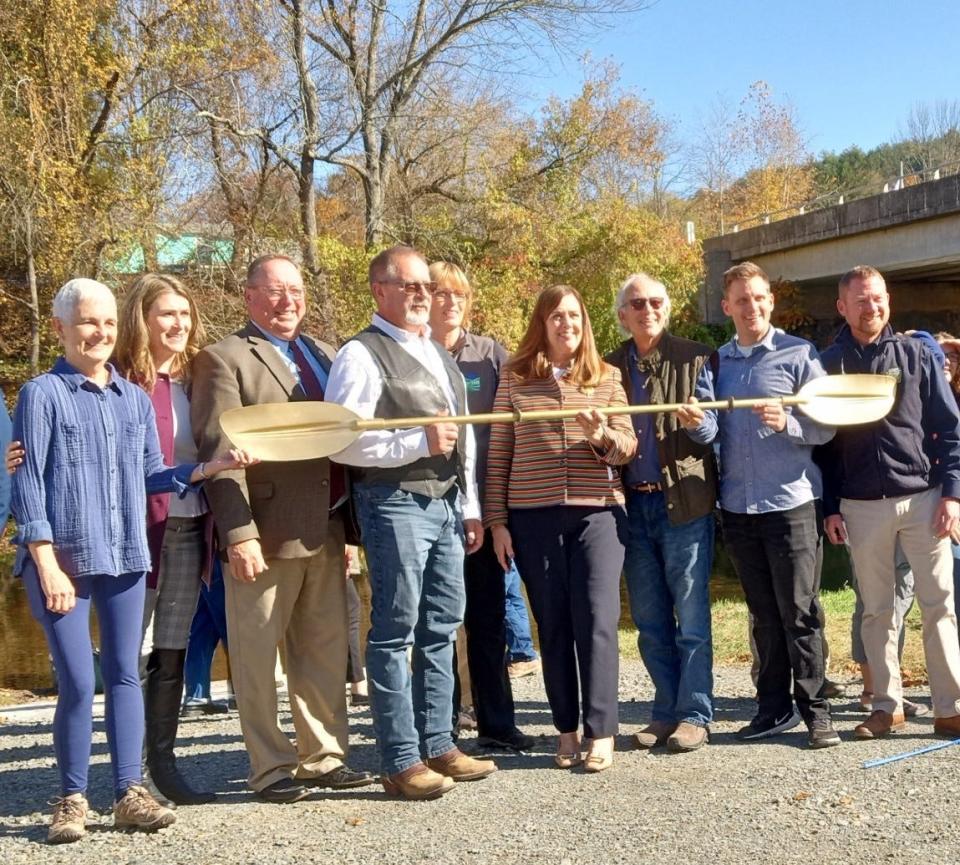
pixel 537 464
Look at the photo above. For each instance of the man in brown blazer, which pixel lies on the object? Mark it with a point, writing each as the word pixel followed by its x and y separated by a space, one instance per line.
pixel 281 526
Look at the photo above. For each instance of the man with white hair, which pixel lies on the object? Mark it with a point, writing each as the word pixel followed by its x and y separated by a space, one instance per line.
pixel 417 502
pixel 671 492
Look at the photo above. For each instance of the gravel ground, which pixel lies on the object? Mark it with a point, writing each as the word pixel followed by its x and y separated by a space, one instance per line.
pixel 727 803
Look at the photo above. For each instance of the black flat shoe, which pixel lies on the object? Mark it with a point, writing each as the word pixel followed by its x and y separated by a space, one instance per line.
pixel 283 792
pixel 340 778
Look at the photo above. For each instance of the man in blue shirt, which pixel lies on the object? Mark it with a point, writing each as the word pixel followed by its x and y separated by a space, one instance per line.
pixel 769 496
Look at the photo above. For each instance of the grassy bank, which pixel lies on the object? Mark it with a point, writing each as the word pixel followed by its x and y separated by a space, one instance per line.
pixel 731 646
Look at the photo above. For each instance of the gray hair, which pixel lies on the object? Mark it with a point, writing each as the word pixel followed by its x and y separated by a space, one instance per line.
pixel 640 278
pixel 72 293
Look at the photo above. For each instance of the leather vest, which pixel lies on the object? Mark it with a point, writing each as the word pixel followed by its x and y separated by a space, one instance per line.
pixel 410 390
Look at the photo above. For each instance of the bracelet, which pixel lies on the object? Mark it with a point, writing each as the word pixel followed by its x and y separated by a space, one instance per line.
pixel 203 474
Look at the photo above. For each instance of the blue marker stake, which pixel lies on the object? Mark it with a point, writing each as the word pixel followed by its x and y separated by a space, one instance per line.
pixel 882 761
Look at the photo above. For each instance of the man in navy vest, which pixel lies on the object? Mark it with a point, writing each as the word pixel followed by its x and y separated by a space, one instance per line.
pixel 418 508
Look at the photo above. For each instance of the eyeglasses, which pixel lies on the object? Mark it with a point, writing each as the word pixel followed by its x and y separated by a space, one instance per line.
pixel 447 296
pixel 951 356
pixel 640 303
pixel 411 288
pixel 277 290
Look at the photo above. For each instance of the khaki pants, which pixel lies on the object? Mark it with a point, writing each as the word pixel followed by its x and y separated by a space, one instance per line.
pixel 302 604
pixel 874 528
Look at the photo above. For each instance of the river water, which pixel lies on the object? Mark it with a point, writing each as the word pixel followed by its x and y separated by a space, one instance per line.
pixel 24 661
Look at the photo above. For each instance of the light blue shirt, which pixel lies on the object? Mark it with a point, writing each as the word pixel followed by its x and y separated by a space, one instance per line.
pixel 762 470
pixel 283 347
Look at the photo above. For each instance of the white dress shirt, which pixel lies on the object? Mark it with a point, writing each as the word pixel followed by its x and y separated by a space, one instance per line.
pixel 355 382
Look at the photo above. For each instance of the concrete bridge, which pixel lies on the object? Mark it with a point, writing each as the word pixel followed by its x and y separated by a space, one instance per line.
pixel 911 235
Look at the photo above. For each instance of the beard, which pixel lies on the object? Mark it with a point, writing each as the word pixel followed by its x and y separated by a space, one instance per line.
pixel 417 318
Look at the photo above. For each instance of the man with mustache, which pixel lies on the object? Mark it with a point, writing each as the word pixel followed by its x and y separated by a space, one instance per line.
pixel 897 480
pixel 418 509
pixel 671 489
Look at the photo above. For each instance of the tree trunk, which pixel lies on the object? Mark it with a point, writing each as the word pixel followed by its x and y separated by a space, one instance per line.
pixel 307 194
pixel 34 298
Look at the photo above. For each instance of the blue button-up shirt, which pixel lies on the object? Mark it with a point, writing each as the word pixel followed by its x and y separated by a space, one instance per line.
pixel 762 470
pixel 644 468
pixel 92 455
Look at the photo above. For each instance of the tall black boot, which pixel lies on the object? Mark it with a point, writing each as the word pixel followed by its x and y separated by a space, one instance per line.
pixel 161 697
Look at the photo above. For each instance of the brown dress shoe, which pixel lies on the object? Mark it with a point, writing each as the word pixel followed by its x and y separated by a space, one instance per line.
pixel 654 734
pixel 688 737
pixel 457 765
pixel 417 782
pixel 879 724
pixel 949 726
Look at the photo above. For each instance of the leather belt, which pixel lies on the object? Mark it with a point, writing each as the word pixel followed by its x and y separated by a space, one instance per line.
pixel 646 488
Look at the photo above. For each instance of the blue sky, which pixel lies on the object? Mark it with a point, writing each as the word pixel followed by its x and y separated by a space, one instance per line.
pixel 852 69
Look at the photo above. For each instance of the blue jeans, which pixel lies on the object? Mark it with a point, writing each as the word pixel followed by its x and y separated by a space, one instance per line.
pixel 667 569
pixel 209 627
pixel 119 605
pixel 414 547
pixel 517 621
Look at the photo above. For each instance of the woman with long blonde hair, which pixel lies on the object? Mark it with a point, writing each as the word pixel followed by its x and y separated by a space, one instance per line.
pixel 159 335
pixel 554 501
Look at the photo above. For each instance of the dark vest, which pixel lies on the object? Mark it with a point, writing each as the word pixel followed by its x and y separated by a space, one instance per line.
pixel 410 390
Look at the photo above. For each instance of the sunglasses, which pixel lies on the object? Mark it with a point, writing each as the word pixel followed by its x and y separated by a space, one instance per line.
pixel 640 303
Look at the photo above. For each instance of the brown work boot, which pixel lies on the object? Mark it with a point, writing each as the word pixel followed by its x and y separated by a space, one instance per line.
pixel 137 809
pixel 457 765
pixel 879 724
pixel 69 821
pixel 949 726
pixel 688 737
pixel 654 734
pixel 417 782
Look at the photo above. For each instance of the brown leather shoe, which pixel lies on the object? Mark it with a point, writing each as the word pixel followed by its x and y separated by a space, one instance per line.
pixel 417 782
pixel 457 765
pixel 949 726
pixel 879 724
pixel 688 737
pixel 654 734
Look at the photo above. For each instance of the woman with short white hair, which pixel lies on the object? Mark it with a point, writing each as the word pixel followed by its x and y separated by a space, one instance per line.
pixel 79 499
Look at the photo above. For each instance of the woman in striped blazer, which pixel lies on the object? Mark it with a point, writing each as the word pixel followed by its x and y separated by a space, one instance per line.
pixel 554 501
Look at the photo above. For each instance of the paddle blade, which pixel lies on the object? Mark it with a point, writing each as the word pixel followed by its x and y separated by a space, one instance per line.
pixel 285 431
pixel 845 400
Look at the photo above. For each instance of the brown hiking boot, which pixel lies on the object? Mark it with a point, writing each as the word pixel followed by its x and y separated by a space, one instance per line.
pixel 69 821
pixel 417 782
pixel 137 809
pixel 688 737
pixel 879 724
pixel 949 726
pixel 654 734
pixel 457 765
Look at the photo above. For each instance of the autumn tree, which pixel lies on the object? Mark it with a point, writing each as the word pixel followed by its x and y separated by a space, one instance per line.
pixel 750 161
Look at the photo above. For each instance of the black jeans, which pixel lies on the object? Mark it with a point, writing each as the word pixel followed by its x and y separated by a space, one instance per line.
pixel 486 641
pixel 570 559
pixel 777 557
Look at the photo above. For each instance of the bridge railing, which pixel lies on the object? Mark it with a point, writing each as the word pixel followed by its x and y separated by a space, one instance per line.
pixel 835 197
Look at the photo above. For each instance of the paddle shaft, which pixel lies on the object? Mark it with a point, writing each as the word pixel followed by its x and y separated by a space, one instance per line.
pixel 558 413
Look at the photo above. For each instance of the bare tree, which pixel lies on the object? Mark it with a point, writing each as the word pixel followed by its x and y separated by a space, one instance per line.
pixel 933 131
pixel 359 68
